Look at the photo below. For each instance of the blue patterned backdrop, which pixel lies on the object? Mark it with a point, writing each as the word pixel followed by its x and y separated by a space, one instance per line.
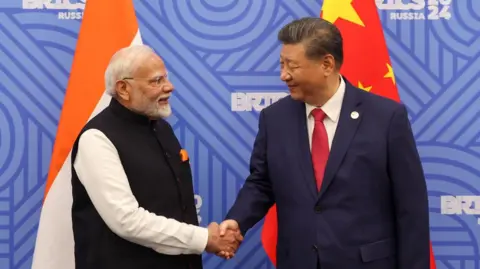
pixel 220 52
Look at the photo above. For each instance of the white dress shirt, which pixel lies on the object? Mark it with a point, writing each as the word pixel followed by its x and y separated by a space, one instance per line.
pixel 332 110
pixel 100 171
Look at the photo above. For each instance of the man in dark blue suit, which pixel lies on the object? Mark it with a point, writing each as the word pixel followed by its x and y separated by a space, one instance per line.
pixel 340 163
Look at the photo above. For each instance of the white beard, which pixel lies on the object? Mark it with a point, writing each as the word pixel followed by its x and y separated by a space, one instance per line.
pixel 156 111
pixel 164 111
pixel 152 109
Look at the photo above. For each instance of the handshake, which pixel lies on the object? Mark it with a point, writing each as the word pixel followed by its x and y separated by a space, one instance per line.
pixel 224 239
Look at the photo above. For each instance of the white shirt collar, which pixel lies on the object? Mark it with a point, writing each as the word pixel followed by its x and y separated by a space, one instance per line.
pixel 333 106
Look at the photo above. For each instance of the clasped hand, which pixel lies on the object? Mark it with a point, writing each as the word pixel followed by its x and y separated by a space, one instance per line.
pixel 224 239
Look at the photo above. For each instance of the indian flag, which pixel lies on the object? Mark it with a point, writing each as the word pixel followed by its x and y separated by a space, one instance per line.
pixel 107 26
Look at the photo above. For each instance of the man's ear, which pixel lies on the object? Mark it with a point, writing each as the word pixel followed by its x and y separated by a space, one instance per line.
pixel 121 88
pixel 328 64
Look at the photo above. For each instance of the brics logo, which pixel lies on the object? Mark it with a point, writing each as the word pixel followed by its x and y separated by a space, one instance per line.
pixel 254 101
pixel 74 8
pixel 54 4
pixel 416 9
pixel 458 205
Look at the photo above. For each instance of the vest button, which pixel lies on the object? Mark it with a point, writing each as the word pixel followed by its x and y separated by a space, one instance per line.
pixel 184 208
pixel 317 208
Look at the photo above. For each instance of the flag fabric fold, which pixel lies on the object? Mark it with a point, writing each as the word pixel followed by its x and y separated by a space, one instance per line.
pixel 363 42
pixel 107 26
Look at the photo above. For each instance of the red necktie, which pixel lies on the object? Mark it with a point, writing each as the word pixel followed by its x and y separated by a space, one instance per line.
pixel 320 149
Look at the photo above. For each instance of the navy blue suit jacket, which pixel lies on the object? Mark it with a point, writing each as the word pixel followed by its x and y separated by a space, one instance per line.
pixel 372 209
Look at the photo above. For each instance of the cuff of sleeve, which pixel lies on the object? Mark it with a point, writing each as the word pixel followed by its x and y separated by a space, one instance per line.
pixel 200 239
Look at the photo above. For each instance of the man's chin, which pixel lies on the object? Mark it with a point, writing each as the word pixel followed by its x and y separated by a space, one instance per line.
pixel 296 96
pixel 164 111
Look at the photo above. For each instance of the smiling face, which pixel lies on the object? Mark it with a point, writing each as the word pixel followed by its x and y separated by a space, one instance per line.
pixel 311 57
pixel 304 77
pixel 148 91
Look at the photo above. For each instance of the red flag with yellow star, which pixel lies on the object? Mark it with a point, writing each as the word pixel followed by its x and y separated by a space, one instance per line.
pixel 366 65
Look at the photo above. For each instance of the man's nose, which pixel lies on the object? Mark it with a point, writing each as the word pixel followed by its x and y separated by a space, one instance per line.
pixel 285 76
pixel 168 87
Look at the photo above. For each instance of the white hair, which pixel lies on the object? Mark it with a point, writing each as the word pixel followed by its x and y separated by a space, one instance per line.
pixel 123 64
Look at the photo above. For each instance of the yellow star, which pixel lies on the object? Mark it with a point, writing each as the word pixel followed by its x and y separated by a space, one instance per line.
pixel 340 9
pixel 360 85
pixel 390 73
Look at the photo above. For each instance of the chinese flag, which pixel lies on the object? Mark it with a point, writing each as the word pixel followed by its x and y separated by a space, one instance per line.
pixel 363 43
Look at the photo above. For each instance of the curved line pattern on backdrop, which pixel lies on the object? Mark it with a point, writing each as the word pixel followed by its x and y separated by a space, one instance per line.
pixel 219 6
pixel 214 31
pixel 56 41
pixel 48 33
pixel 458 240
pixel 12 139
pixel 468 13
pixel 457 41
pixel 460 33
pixel 459 164
pixel 474 7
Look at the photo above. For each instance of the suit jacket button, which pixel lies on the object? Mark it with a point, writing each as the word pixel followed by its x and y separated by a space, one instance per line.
pixel 317 208
pixel 314 247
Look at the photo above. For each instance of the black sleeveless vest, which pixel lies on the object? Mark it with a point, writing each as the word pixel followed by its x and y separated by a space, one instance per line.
pixel 160 181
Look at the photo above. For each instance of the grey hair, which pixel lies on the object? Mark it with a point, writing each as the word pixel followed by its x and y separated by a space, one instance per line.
pixel 320 37
pixel 123 64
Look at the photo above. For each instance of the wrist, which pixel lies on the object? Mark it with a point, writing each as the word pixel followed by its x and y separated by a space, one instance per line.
pixel 200 239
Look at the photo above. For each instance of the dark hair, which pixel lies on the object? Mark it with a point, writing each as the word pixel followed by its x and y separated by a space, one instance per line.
pixel 320 37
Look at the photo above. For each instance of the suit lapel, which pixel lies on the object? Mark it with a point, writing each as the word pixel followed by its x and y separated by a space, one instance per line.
pixel 346 129
pixel 302 147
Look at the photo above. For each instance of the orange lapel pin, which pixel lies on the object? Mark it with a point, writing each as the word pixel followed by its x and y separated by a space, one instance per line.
pixel 183 155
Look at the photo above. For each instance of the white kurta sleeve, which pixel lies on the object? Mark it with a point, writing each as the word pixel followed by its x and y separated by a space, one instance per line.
pixel 99 169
